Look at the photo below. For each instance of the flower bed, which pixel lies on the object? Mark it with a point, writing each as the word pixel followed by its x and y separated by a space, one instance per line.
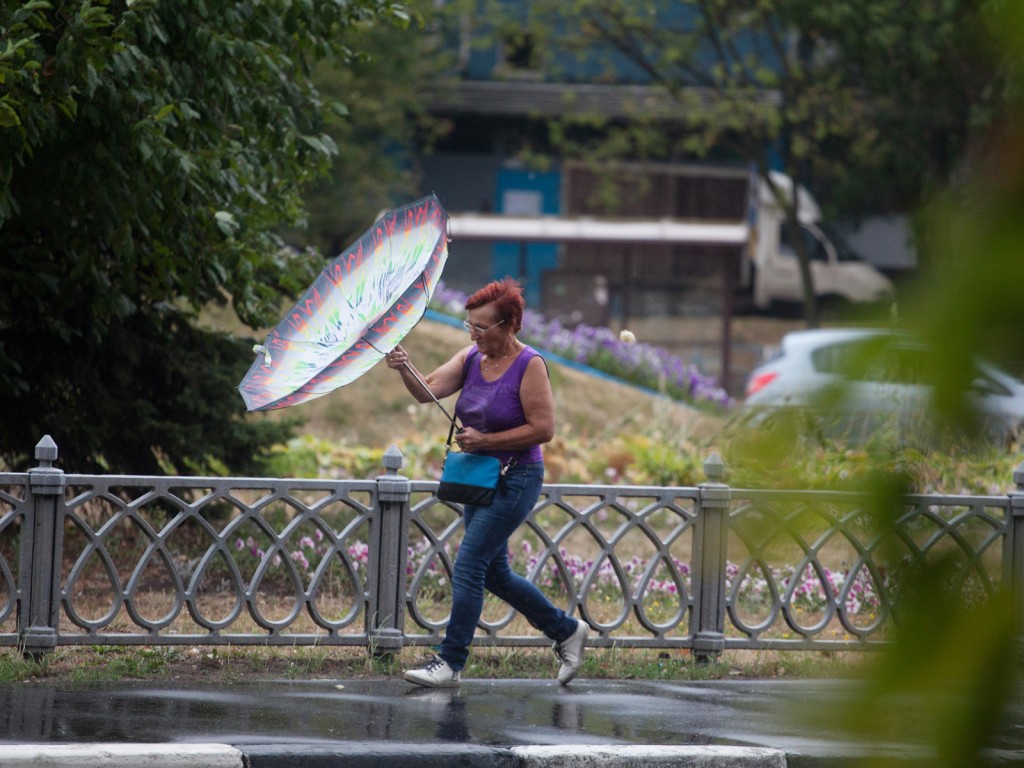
pixel 600 348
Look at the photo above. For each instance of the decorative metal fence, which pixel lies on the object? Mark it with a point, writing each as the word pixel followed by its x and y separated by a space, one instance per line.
pixel 119 560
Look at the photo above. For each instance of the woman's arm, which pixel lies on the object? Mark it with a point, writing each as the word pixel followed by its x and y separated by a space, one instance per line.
pixel 444 381
pixel 539 407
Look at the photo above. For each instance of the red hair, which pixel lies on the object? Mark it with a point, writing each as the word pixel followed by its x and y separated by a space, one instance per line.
pixel 507 297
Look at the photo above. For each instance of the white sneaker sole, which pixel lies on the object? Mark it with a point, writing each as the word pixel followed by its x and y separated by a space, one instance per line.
pixel 429 683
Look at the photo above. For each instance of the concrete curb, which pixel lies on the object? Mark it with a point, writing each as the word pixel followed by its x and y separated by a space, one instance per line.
pixel 570 756
pixel 120 756
pixel 378 754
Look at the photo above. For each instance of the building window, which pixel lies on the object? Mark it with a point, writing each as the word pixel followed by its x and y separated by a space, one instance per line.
pixel 518 54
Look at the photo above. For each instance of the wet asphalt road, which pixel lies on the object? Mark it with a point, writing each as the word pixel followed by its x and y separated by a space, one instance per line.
pixel 803 716
pixel 481 712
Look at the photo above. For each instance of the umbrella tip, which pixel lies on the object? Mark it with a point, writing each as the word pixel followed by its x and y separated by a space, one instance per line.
pixel 260 349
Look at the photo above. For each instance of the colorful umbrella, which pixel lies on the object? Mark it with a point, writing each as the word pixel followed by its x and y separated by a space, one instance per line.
pixel 357 310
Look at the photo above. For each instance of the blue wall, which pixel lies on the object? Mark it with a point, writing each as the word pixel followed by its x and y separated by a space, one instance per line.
pixel 522 193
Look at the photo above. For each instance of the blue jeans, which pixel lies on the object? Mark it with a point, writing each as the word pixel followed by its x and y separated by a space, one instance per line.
pixel 482 563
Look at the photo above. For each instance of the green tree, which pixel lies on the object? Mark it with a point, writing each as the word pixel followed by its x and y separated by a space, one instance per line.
pixel 149 151
pixel 874 99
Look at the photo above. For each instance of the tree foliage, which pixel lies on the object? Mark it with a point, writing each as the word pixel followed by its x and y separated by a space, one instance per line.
pixel 149 152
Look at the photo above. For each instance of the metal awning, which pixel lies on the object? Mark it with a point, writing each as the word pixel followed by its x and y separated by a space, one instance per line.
pixel 481 226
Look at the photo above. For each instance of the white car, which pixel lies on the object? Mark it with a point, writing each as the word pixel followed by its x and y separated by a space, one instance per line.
pixel 871 372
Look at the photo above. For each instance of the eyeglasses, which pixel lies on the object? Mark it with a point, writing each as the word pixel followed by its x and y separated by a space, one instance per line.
pixel 479 328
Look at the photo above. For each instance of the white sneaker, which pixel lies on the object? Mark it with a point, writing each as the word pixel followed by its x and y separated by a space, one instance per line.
pixel 434 674
pixel 570 653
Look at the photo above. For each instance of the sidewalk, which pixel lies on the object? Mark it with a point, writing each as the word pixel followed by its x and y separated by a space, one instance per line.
pixel 487 723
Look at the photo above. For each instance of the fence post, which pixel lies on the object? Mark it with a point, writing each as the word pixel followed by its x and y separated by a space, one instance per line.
pixel 1013 570
pixel 709 561
pixel 39 616
pixel 386 615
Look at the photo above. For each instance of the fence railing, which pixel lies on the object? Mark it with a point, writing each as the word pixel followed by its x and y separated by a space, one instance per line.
pixel 124 560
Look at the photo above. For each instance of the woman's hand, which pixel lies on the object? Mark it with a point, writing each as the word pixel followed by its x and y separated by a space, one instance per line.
pixel 470 439
pixel 444 381
pixel 397 358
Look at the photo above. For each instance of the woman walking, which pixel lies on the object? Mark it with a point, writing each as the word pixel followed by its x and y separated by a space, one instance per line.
pixel 506 410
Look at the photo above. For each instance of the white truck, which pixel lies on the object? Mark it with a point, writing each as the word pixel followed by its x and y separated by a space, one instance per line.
pixel 771 268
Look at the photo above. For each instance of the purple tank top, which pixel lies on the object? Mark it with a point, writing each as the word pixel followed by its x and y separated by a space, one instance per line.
pixel 494 406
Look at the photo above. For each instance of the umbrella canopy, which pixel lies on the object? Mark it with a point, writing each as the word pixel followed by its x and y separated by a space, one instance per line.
pixel 357 310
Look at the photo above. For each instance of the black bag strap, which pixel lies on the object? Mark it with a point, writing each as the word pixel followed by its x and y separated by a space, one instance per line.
pixel 451 434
